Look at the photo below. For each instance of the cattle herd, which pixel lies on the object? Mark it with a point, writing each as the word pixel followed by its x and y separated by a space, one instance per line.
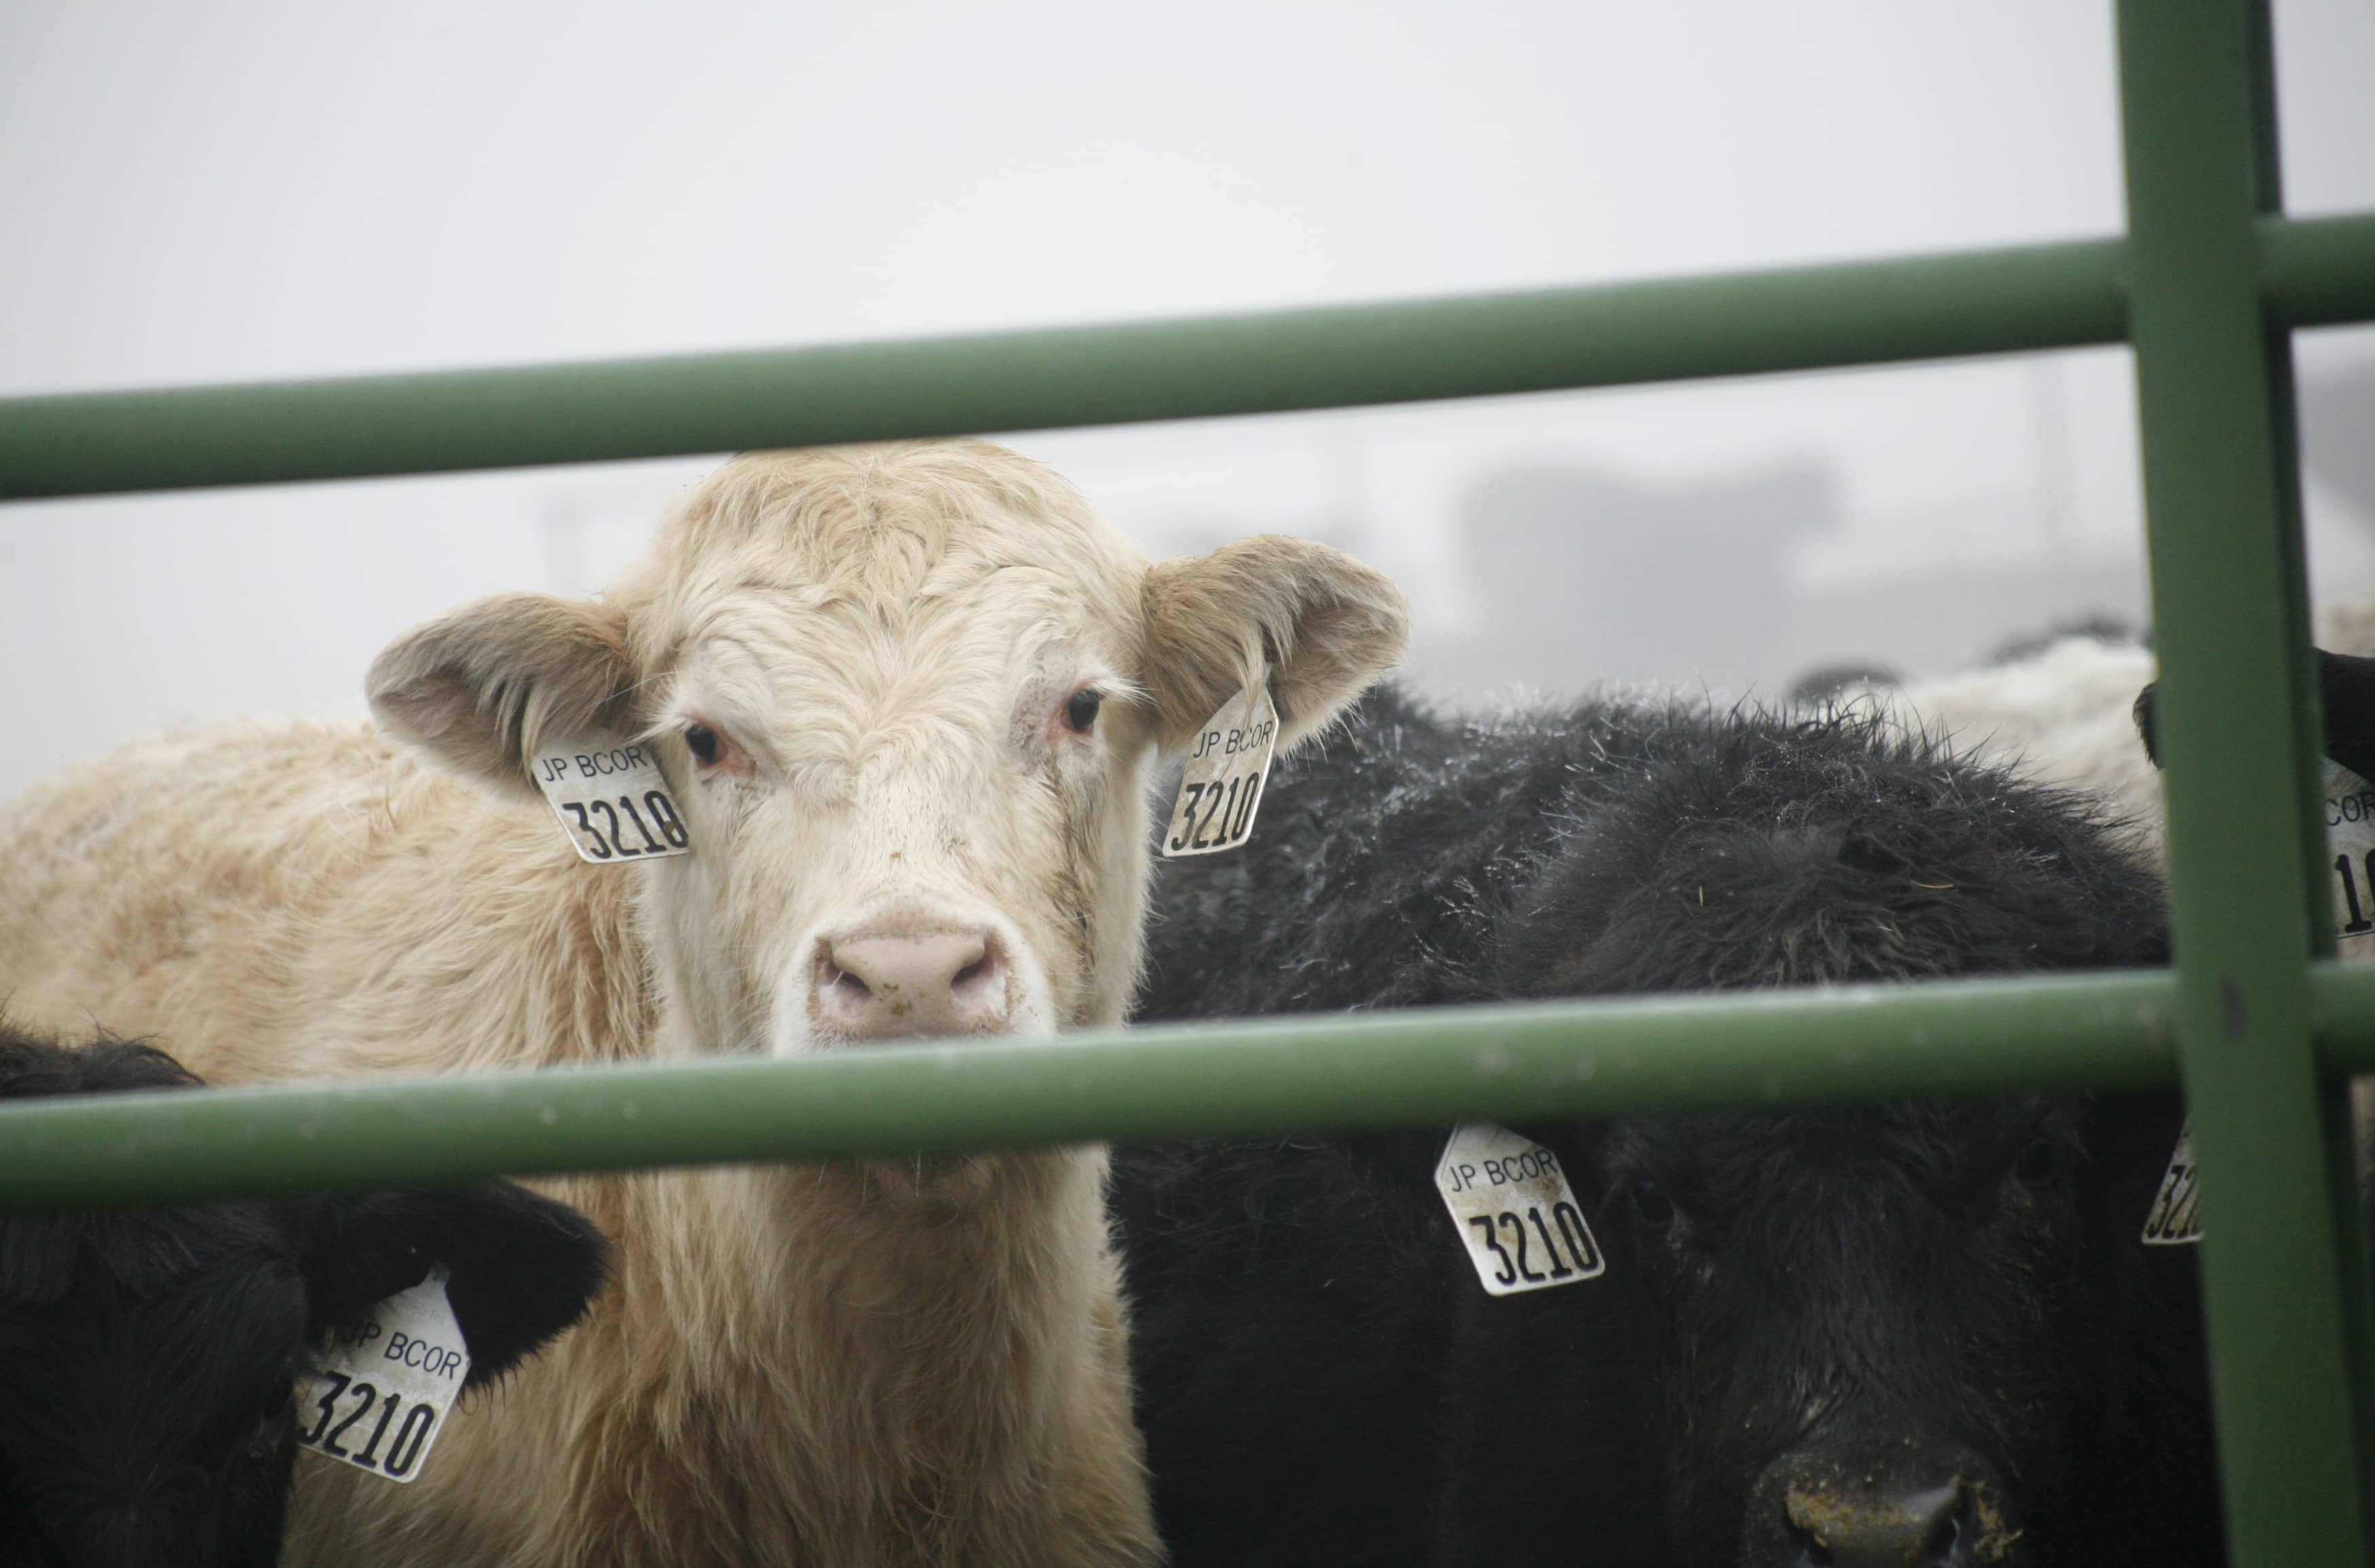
pixel 865 748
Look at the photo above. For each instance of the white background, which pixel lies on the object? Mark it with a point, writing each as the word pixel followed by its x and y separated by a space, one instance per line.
pixel 242 190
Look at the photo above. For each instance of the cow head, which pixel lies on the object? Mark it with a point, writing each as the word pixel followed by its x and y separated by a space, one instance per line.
pixel 148 1355
pixel 909 699
pixel 1876 1326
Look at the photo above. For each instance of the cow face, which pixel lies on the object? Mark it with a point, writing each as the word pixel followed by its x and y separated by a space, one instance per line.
pixel 148 1355
pixel 1871 1324
pixel 148 1421
pixel 909 699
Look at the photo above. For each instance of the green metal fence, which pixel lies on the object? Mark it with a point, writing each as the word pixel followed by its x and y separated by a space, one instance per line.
pixel 2206 285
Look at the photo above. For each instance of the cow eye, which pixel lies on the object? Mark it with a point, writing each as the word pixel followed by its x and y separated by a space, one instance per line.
pixel 2035 1162
pixel 1080 711
pixel 702 742
pixel 1651 1202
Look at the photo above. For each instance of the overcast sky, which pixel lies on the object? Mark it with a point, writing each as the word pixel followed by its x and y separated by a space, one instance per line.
pixel 239 190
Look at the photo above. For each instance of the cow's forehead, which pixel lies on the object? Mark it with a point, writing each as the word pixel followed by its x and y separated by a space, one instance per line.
pixel 958 553
pixel 881 523
pixel 771 645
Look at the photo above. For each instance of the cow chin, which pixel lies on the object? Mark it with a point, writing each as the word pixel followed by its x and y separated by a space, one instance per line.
pixel 909 967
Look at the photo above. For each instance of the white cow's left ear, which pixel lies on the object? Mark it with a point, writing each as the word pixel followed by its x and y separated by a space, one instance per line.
pixel 480 690
pixel 1317 624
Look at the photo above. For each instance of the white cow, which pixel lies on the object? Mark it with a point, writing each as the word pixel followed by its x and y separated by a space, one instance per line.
pixel 2064 714
pixel 908 699
pixel 2061 715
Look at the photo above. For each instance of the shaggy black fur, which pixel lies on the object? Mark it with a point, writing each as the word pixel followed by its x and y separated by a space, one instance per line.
pixel 146 1355
pixel 1931 1291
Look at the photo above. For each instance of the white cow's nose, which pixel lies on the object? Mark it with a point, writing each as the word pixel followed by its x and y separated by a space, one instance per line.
pixel 887 984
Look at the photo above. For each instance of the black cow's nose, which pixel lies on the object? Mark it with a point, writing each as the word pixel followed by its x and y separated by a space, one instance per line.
pixel 1856 1528
pixel 1882 1498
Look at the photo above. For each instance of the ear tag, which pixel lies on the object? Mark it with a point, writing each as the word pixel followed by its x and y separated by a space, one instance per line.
pixel 2176 1216
pixel 1222 787
pixel 2350 844
pixel 610 798
pixel 380 1394
pixel 1510 1201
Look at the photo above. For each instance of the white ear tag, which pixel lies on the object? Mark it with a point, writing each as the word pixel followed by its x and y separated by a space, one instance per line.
pixel 2176 1216
pixel 380 1398
pixel 1222 787
pixel 1510 1201
pixel 2350 849
pixel 610 798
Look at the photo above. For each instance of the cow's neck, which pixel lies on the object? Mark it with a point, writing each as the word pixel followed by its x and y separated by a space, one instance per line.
pixel 941 1332
pixel 804 1335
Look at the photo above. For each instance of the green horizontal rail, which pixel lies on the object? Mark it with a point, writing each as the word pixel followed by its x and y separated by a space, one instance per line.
pixel 1801 318
pixel 1422 1065
pixel 2317 271
pixel 1284 1075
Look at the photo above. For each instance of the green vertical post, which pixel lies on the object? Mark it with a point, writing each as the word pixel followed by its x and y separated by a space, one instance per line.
pixel 2238 718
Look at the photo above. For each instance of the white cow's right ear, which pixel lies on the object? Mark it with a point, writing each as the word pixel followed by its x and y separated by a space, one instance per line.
pixel 480 690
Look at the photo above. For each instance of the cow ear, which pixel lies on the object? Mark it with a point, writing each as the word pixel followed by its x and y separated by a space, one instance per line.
pixel 519 1267
pixel 480 690
pixel 1321 624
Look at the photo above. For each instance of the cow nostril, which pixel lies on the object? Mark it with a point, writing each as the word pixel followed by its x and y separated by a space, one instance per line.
pixel 1942 1546
pixel 1801 1511
pixel 849 988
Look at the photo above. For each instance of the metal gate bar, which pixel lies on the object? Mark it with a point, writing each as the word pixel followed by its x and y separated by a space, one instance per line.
pixel 2239 697
pixel 2206 285
pixel 2313 271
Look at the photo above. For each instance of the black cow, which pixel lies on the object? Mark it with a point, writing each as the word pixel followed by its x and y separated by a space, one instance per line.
pixel 148 1355
pixel 1915 1333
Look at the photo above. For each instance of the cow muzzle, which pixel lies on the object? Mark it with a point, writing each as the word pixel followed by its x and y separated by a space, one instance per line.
pixel 912 973
pixel 1907 1504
